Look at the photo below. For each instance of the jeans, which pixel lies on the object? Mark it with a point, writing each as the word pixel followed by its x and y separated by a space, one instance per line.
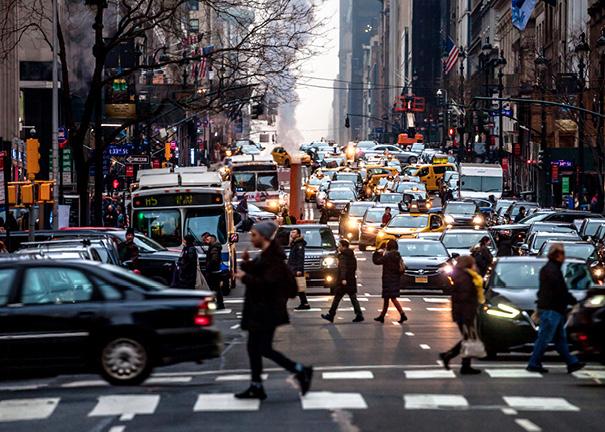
pixel 260 344
pixel 354 302
pixel 552 329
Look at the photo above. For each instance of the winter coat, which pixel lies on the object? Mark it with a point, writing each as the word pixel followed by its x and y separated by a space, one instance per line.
pixel 269 284
pixel 553 293
pixel 483 258
pixel 465 299
pixel 347 267
pixel 128 251
pixel 391 272
pixel 214 258
pixel 296 259
pixel 187 268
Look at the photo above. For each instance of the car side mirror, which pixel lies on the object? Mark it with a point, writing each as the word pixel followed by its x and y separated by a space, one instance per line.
pixel 455 255
pixel 234 238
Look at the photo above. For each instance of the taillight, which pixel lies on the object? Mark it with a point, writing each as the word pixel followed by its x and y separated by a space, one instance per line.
pixel 205 311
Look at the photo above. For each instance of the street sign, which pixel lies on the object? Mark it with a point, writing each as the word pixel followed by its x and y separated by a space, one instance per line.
pixel 129 170
pixel 554 173
pixel 113 150
pixel 138 159
pixel 155 163
pixel 565 184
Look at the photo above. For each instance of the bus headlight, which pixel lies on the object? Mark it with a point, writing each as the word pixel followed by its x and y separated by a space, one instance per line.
pixel 329 262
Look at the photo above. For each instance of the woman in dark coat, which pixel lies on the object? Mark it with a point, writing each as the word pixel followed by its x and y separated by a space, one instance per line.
pixel 392 270
pixel 347 266
pixel 467 294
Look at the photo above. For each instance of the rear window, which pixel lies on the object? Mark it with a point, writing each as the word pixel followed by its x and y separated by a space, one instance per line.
pixel 319 238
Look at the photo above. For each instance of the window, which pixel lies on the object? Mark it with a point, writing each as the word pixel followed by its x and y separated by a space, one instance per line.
pixel 6 280
pixel 212 220
pixel 164 226
pixel 267 182
pixel 439 170
pixel 194 5
pixel 194 25
pixel 45 285
pixel 423 172
pixel 244 182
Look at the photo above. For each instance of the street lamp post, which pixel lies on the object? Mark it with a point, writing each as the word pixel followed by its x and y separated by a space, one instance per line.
pixel 541 64
pixel 485 58
pixel 582 50
pixel 501 62
pixel 600 131
pixel 462 124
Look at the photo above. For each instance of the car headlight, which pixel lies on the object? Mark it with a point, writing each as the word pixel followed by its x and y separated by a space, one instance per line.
pixel 329 205
pixel 352 223
pixel 370 229
pixel 598 272
pixel 478 220
pixel 448 219
pixel 447 268
pixel 428 205
pixel 273 204
pixel 329 262
pixel 595 302
pixel 502 310
pixel 228 153
pixel 381 234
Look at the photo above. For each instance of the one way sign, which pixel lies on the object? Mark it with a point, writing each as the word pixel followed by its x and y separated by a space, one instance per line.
pixel 138 159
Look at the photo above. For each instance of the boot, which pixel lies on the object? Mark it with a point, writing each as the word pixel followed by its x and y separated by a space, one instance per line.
pixel 466 368
pixel 380 319
pixel 253 392
pixel 302 307
pixel 358 318
pixel 328 317
pixel 403 318
pixel 445 358
pixel 304 379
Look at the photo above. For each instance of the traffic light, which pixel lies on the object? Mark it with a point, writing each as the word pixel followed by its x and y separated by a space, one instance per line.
pixel 167 151
pixel 32 151
pixel 453 120
pixel 12 194
pixel 45 191
pixel 541 159
pixel 440 119
pixel 347 122
pixel 27 194
pixel 451 132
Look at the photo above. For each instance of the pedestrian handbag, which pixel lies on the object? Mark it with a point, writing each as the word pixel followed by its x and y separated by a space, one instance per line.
pixel 472 347
pixel 301 284
pixel 200 280
pixel 401 274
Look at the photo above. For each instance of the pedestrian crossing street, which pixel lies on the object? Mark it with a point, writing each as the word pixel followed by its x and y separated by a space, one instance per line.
pixel 15 407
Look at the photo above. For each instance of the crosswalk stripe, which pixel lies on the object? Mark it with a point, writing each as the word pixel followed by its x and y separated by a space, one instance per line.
pixel 333 401
pixel 436 299
pixel 590 374
pixel 429 374
pixel 129 405
pixel 308 310
pixel 224 402
pixel 438 309
pixel 528 425
pixel 521 403
pixel 409 334
pixel 347 375
pixel 27 409
pixel 434 401
pixel 222 311
pixel 425 346
pixel 512 373
pixel 392 309
pixel 238 377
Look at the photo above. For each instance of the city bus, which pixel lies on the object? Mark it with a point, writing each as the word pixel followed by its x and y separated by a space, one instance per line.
pixel 171 204
pixel 256 178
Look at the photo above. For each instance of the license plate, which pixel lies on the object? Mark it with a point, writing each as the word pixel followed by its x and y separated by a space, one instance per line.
pixel 421 279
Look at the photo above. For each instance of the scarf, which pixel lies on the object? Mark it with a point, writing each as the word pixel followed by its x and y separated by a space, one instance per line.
pixel 478 282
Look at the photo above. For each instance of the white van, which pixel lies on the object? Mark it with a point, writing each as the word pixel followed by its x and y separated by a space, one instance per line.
pixel 480 181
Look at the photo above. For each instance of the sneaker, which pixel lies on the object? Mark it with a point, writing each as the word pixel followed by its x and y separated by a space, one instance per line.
pixel 575 367
pixel 469 371
pixel 380 319
pixel 446 360
pixel 303 307
pixel 252 392
pixel 328 317
pixel 304 379
pixel 358 318
pixel 539 369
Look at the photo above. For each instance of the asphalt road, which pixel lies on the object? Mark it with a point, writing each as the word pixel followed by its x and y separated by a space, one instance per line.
pixel 368 377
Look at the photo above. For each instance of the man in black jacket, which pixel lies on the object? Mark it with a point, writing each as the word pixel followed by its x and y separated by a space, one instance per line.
pixel 213 267
pixel 187 265
pixel 553 299
pixel 269 284
pixel 347 266
pixel 296 262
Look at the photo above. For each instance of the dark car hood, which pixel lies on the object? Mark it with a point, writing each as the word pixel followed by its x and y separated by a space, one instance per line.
pixel 424 262
pixel 173 293
pixel 524 299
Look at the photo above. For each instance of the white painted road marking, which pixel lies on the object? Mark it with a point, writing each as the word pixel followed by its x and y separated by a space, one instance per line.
pixel 539 404
pixel 436 299
pixel 409 334
pixel 121 428
pixel 429 374
pixel 224 402
pixel 333 401
pixel 86 383
pixel 434 401
pixel 222 311
pixel 27 409
pixel 308 310
pixel 425 347
pixel 512 373
pixel 234 327
pixel 590 374
pixel 347 375
pixel 239 377
pixel 438 309
pixel 234 300
pixel 528 425
pixel 168 380
pixel 129 405
pixel 509 411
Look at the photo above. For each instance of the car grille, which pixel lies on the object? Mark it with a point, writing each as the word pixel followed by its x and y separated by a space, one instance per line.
pixel 422 272
pixel 313 262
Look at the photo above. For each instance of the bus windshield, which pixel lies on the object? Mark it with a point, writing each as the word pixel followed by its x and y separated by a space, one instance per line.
pixel 211 220
pixel 252 182
pixel 163 226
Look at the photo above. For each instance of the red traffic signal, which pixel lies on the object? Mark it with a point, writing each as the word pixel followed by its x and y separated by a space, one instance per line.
pixel 451 132
pixel 115 183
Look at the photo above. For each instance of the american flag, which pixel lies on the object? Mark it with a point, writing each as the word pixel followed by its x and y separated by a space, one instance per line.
pixel 452 55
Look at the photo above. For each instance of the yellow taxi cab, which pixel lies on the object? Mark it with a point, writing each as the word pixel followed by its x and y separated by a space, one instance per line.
pixel 374 174
pixel 409 225
pixel 430 175
pixel 283 158
pixel 312 187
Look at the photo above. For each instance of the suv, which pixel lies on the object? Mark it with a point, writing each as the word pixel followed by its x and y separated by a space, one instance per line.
pixel 99 249
pixel 321 263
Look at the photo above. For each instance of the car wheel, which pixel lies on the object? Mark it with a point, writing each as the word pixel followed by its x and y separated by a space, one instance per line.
pixel 125 360
pixel 362 247
pixel 412 160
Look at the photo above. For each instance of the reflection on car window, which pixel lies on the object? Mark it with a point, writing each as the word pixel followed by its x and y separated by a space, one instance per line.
pixel 244 182
pixel 6 279
pixel 316 238
pixel 267 182
pixel 46 285
pixel 526 275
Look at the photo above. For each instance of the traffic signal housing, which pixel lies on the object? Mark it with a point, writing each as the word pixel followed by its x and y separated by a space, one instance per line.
pixel 541 159
pixel 167 151
pixel 27 194
pixel 32 151
pixel 45 191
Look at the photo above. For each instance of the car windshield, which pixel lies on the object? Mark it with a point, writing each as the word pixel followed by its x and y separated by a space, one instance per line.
pixel 460 208
pixel 133 278
pixel 535 217
pixel 462 240
pixel 410 186
pixel 358 210
pixel 417 147
pixel 375 215
pixel 409 221
pixel 540 238
pixel 163 226
pixel 592 227
pixel 315 181
pixel 516 208
pixel 577 250
pixel 146 244
pixel 526 275
pixel 366 144
pixel 341 194
pixel 347 176
pixel 481 183
pixel 211 220
pixel 421 249
pixel 390 198
pixel 317 238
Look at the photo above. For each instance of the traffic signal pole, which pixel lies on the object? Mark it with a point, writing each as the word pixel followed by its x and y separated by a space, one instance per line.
pixel 55 120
